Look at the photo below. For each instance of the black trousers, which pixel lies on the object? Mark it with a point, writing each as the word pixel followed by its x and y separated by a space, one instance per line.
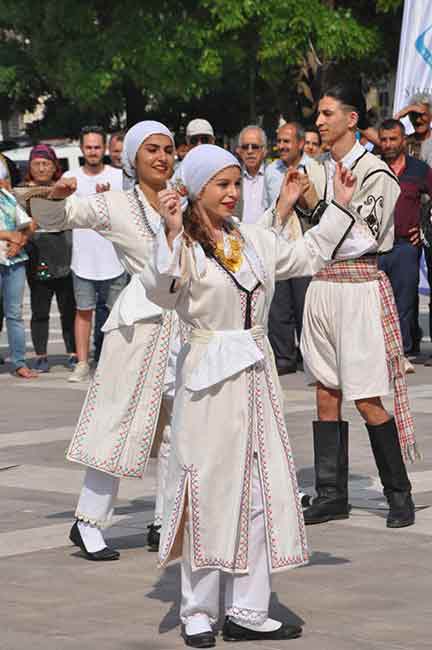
pixel 286 319
pixel 41 295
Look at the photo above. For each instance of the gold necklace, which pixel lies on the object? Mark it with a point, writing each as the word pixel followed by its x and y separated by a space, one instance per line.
pixel 229 251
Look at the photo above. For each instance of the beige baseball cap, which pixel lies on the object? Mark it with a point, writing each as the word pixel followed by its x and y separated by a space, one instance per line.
pixel 199 127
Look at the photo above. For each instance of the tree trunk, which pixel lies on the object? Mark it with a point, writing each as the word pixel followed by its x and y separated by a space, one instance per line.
pixel 252 91
pixel 135 103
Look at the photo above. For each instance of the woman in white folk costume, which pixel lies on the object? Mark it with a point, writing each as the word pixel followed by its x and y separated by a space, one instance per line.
pixel 351 341
pixel 130 396
pixel 231 502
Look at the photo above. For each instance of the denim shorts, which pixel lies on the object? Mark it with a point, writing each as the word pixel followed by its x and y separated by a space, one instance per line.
pixel 87 291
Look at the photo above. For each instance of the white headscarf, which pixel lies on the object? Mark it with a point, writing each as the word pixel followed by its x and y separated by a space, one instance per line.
pixel 132 142
pixel 201 164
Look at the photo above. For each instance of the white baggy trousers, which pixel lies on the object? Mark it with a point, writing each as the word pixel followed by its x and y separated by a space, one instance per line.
pixel 247 596
pixel 98 494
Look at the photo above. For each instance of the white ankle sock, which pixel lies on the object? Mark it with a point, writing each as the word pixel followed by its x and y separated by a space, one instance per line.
pixel 197 624
pixel 91 536
pixel 269 625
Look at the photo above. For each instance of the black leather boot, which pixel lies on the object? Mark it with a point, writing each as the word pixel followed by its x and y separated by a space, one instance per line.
pixel 386 449
pixel 331 473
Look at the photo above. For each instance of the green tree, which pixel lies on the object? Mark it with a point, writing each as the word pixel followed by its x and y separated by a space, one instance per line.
pixel 234 58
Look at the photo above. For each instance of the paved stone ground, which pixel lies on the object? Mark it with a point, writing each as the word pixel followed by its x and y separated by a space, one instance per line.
pixel 366 588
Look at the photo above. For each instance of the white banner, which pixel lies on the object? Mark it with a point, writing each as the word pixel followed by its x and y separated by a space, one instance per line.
pixel 414 72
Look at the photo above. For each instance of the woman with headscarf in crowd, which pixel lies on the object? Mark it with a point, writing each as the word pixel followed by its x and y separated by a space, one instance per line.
pixel 231 502
pixel 48 270
pixel 128 405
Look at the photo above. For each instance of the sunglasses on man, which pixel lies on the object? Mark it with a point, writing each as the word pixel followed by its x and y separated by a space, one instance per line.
pixel 254 147
pixel 201 139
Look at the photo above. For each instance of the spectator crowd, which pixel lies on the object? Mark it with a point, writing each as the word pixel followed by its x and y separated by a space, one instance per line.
pixel 83 272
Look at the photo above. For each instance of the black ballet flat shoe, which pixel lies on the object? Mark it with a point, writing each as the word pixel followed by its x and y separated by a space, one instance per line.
pixel 105 555
pixel 233 632
pixel 201 640
pixel 153 538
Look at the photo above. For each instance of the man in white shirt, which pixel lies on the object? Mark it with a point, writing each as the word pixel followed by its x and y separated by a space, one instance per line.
pixel 252 149
pixel 98 276
pixel 286 311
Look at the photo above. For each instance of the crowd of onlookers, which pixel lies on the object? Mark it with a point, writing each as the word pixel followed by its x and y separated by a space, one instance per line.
pixel 83 272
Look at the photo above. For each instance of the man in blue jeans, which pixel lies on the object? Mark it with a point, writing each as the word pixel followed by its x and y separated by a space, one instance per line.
pixel 12 282
pixel 401 264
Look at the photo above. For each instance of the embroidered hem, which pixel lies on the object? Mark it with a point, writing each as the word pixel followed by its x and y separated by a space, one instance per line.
pixel 186 619
pixel 243 615
pixel 99 523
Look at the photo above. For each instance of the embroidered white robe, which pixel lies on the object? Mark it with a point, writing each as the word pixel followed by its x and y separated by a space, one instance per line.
pixel 118 421
pixel 229 404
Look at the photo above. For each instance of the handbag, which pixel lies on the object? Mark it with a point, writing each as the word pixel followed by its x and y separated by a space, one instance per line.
pixel 50 255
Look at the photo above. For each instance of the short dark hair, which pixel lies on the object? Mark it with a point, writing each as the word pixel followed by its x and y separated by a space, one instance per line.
pixel 313 129
pixel 299 130
pixel 117 135
pixel 391 123
pixel 86 130
pixel 350 95
pixel 180 140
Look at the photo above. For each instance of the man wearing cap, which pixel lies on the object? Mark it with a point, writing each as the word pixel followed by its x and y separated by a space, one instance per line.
pixel 199 131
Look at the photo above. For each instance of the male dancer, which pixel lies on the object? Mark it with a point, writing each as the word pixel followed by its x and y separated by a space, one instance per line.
pixel 351 340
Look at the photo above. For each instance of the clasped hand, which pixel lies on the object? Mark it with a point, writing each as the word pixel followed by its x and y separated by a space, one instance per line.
pixel 170 210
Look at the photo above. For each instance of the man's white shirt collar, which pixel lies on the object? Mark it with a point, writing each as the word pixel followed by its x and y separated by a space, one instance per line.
pixel 351 157
pixel 259 173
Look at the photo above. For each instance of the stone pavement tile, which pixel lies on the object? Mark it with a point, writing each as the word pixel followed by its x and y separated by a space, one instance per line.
pixel 63 479
pixel 37 407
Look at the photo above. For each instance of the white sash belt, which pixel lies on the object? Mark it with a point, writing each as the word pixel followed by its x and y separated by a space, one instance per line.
pixel 227 353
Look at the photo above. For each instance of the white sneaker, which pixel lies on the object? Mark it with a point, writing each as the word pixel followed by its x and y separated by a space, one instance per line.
pixel 408 367
pixel 81 372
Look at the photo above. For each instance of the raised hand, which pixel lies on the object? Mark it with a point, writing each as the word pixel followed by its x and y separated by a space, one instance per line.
pixel 170 210
pixel 344 185
pixel 290 192
pixel 63 188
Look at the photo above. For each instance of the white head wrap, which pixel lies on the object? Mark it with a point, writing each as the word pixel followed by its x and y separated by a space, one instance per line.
pixel 201 164
pixel 132 142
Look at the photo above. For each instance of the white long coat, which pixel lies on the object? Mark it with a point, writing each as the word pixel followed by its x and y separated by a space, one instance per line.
pixel 117 425
pixel 227 407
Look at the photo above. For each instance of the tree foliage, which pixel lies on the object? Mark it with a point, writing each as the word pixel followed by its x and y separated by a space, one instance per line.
pixel 165 56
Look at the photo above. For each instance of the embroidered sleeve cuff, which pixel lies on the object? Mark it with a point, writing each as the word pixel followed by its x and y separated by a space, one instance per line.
pixel 167 260
pixel 334 225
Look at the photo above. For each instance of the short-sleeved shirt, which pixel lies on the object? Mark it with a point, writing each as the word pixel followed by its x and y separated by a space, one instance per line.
pixel 93 257
pixel 8 213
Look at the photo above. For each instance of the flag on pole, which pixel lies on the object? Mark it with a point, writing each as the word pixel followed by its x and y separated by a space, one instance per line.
pixel 414 71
